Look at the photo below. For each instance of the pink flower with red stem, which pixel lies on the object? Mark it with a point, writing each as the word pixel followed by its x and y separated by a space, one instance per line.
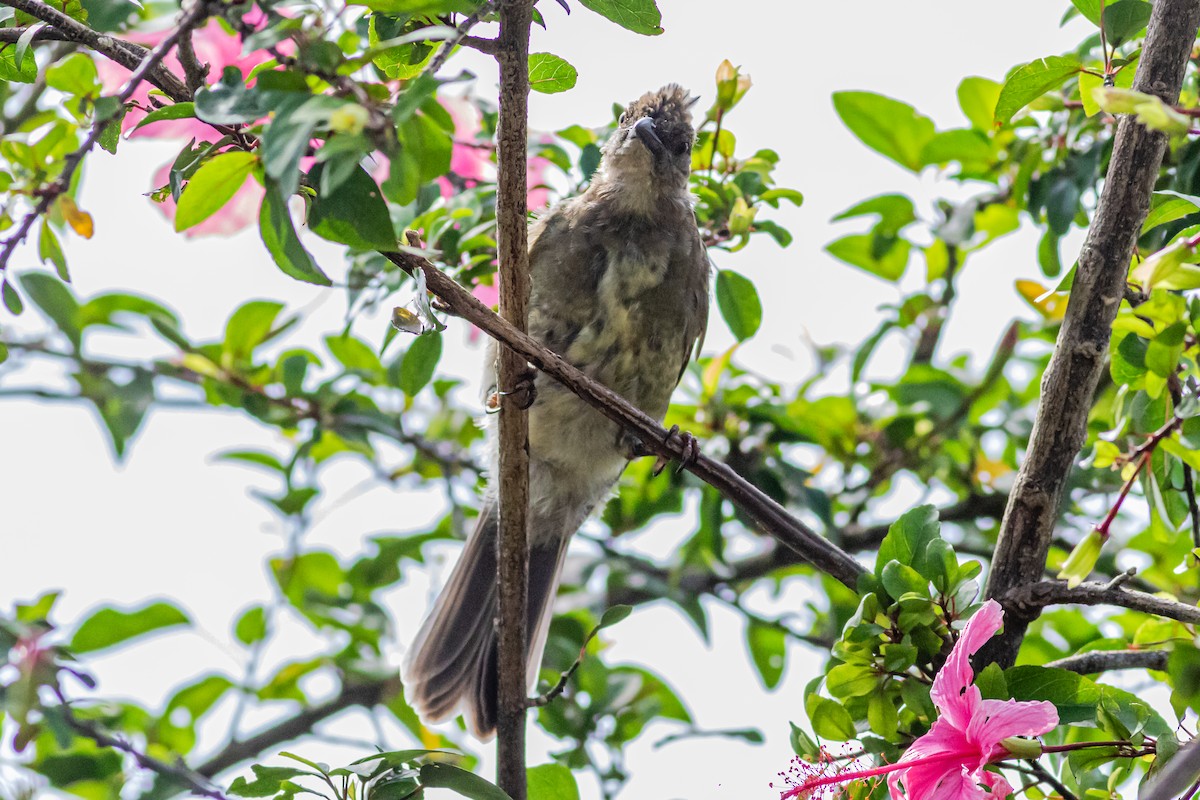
pixel 948 762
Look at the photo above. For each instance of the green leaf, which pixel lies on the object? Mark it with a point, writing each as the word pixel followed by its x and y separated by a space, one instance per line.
pixel 830 720
pixel 199 696
pixel 1165 349
pixel 254 457
pixel 229 102
pixel 901 579
pixel 549 74
pixel 173 111
pixel 74 75
pixel 469 785
pixel 49 249
pixel 1030 82
pixel 278 234
pixel 110 626
pixel 55 300
pixel 977 98
pixel 864 251
pixel 768 651
pixel 286 139
pixel 419 363
pixel 249 326
pixel 1075 696
pixel 895 211
pixel 251 626
pixel 851 680
pixel 639 16
pixel 1125 18
pixel 1168 206
pixel 24 71
pixel 889 127
pixel 12 300
pixel 268 781
pixel 907 540
pixel 551 782
pixel 355 355
pixel 354 214
pixel 739 303
pixel 212 186
pixel 1088 84
pixel 614 615
pixel 1090 9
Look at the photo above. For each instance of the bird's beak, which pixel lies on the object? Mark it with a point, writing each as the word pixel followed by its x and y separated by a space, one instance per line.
pixel 644 130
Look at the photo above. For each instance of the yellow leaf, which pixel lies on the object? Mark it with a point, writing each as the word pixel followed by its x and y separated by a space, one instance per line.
pixel 713 371
pixel 988 471
pixel 80 221
pixel 1051 305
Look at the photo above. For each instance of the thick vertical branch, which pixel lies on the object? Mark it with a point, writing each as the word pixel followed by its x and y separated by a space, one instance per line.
pixel 513 561
pixel 1079 355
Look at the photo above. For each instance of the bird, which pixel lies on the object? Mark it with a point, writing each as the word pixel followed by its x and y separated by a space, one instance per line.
pixel 619 288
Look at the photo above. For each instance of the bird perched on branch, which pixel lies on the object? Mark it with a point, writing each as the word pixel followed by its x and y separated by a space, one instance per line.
pixel 620 289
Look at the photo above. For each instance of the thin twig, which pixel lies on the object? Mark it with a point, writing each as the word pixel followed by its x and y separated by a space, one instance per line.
pixel 195 782
pixel 1044 774
pixel 464 28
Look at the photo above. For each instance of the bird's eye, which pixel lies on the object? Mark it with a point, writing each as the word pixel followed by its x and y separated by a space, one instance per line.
pixel 621 119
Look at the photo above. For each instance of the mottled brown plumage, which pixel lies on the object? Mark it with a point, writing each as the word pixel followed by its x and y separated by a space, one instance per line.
pixel 620 289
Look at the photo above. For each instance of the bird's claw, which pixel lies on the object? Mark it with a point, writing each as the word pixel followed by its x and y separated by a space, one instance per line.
pixel 690 446
pixel 523 393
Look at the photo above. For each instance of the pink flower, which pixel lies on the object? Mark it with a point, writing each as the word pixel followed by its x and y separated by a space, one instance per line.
pixel 213 46
pixel 948 762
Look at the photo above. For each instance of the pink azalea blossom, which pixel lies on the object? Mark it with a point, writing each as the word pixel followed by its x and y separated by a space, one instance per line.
pixel 947 763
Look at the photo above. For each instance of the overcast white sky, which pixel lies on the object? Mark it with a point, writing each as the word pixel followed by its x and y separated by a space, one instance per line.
pixel 171 522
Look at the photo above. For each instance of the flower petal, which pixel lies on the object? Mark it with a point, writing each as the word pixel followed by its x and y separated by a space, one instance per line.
pixel 950 692
pixel 996 720
pixel 1000 787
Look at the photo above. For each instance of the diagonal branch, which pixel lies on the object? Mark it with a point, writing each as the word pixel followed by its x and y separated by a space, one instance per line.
pixel 127 54
pixel 300 724
pixel 1080 354
pixel 772 518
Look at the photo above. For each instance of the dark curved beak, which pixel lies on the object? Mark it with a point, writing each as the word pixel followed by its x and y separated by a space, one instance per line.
pixel 644 130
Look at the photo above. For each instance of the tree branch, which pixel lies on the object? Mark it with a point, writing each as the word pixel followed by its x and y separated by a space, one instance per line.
pixel 234 753
pixel 127 54
pixel 1079 357
pixel 1109 660
pixel 192 780
pixel 512 137
pixel 772 518
pixel 1029 599
pixel 462 34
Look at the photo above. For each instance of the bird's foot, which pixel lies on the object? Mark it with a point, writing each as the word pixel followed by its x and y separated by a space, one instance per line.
pixel 523 393
pixel 691 450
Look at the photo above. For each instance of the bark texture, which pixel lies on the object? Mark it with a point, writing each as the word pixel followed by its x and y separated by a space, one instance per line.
pixel 1079 357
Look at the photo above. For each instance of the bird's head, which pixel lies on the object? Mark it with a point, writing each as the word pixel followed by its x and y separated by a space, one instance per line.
pixel 652 146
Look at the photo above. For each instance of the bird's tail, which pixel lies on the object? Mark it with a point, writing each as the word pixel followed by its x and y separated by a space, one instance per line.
pixel 454 660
